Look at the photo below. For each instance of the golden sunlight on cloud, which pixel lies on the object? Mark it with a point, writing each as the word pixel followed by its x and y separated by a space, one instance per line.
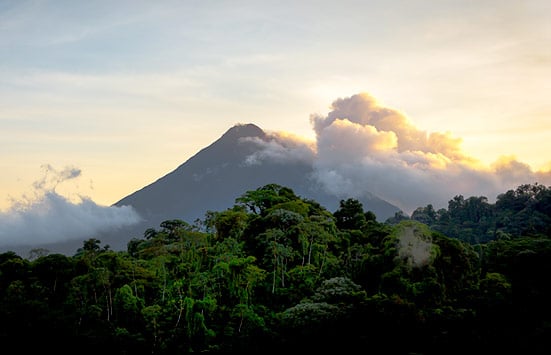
pixel 383 128
pixel 365 146
pixel 509 169
pixel 362 147
pixel 344 136
pixel 364 110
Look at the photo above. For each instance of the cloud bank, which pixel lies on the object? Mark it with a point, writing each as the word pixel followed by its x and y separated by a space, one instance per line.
pixel 363 147
pixel 48 217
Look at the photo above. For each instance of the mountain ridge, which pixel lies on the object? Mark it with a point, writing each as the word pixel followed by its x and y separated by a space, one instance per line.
pixel 212 180
pixel 216 175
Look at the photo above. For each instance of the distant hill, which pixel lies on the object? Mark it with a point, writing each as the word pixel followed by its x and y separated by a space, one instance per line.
pixel 212 179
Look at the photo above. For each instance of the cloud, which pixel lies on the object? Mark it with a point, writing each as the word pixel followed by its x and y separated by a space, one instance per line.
pixel 53 177
pixel 363 147
pixel 49 217
pixel 363 111
pixel 280 147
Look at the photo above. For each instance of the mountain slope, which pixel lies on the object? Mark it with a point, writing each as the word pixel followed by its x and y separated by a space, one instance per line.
pixel 211 180
pixel 218 174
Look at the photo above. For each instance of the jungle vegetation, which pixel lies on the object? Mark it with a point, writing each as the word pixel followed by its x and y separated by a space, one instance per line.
pixel 277 272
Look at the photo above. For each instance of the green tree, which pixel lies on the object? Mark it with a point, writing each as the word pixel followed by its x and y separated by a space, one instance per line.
pixel 350 215
pixel 265 197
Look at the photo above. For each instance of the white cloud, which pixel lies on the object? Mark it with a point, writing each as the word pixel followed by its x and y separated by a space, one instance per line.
pixel 49 217
pixel 281 147
pixel 365 147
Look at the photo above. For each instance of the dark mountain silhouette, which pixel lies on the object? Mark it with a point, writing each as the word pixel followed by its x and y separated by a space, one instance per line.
pixel 211 180
pixel 214 177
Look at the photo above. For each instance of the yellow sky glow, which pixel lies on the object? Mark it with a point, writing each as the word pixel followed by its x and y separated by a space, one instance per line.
pixel 128 91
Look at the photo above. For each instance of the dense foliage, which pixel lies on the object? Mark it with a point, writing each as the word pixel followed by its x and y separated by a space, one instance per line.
pixel 525 211
pixel 277 272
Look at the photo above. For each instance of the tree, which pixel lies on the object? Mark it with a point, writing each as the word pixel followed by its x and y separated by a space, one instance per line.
pixel 227 224
pixel 350 215
pixel 265 197
pixel 54 272
pixel 397 218
pixel 425 215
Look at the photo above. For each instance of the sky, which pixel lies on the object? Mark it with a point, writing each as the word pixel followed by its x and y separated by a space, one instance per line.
pixel 101 98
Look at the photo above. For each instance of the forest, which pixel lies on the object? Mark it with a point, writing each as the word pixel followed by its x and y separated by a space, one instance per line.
pixel 277 272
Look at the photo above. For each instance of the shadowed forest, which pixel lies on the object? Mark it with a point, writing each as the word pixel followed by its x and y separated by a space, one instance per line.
pixel 277 272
